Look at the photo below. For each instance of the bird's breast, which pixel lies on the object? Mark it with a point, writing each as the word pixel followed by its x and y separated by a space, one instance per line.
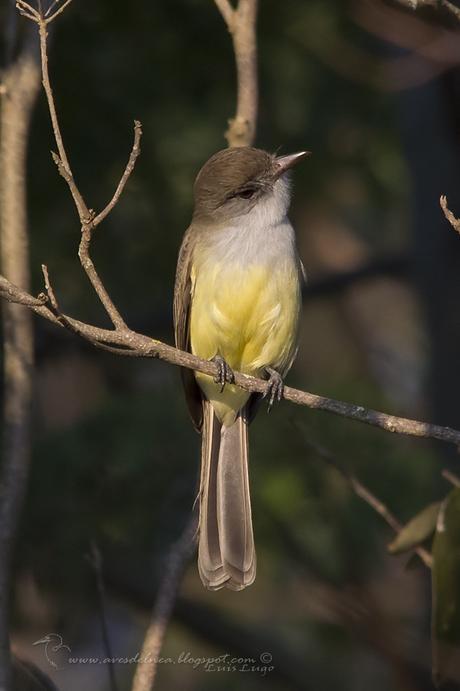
pixel 245 300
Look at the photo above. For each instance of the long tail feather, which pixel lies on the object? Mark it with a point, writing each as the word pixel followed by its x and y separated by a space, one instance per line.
pixel 226 553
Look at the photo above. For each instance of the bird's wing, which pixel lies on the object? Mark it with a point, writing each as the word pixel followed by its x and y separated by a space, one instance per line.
pixel 181 313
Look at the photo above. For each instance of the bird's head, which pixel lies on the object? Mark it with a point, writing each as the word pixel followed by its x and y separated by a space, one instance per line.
pixel 235 181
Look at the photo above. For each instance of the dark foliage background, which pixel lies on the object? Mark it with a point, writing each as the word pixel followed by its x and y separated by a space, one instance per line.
pixel 115 457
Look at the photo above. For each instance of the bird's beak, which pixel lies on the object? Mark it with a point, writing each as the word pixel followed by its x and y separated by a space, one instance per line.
pixel 284 163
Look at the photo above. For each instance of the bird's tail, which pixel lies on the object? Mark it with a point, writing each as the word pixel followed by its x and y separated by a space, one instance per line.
pixel 226 554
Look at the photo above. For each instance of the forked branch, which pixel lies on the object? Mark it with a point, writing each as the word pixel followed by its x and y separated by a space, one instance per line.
pixel 89 220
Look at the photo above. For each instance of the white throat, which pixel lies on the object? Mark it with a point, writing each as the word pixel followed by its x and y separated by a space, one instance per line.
pixel 261 235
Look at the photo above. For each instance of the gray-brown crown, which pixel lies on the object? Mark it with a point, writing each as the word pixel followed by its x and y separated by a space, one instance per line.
pixel 229 173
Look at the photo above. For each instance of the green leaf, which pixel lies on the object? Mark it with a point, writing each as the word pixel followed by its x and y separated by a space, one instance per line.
pixel 446 591
pixel 417 530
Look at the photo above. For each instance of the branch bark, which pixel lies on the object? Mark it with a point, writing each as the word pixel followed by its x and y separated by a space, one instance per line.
pixel 21 83
pixel 366 495
pixel 180 553
pixel 131 343
pixel 241 23
pixel 454 222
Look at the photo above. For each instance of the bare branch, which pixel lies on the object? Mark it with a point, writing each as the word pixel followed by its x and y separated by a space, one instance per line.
pixel 146 347
pixel 242 25
pixel 51 7
pixel 66 171
pixel 180 553
pixel 21 79
pixel 49 289
pixel 87 264
pixel 12 293
pixel 88 218
pixel 57 13
pixel 95 559
pixel 454 222
pixel 8 293
pixel 227 11
pixel 365 494
pixel 450 477
pixel 135 151
pixel 26 9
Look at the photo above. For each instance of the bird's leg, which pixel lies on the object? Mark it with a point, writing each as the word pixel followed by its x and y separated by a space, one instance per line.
pixel 275 387
pixel 225 374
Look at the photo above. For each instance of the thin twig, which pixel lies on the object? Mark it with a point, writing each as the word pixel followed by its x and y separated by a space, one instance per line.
pixel 450 477
pixel 88 218
pixel 25 7
pixel 135 151
pixel 241 23
pixel 66 170
pixel 364 493
pixel 58 12
pixel 454 222
pixel 49 289
pixel 95 560
pixel 181 551
pixel 51 7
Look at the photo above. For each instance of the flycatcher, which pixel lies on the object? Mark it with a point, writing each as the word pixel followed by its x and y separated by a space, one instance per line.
pixel 236 302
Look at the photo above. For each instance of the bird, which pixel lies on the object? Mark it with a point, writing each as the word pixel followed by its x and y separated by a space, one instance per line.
pixel 237 298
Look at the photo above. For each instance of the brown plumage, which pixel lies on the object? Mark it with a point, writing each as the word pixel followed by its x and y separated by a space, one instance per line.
pixel 229 192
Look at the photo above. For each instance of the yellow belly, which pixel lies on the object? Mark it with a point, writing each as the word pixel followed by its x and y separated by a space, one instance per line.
pixel 248 315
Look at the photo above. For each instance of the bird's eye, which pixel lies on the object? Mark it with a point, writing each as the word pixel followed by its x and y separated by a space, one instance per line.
pixel 246 193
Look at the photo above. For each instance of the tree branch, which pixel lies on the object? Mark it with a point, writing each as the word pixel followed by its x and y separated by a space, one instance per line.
pixel 135 151
pixel 21 81
pixel 450 477
pixel 365 494
pixel 95 559
pixel 88 218
pixel 139 345
pixel 241 23
pixel 180 553
pixel 62 161
pixel 454 222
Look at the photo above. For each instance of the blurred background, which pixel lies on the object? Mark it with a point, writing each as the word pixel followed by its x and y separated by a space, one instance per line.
pixel 373 91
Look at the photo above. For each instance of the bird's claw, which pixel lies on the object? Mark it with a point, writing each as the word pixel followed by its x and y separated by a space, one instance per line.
pixel 225 373
pixel 275 387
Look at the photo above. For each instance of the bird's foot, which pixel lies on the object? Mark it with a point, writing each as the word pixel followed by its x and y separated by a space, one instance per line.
pixel 225 373
pixel 275 387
